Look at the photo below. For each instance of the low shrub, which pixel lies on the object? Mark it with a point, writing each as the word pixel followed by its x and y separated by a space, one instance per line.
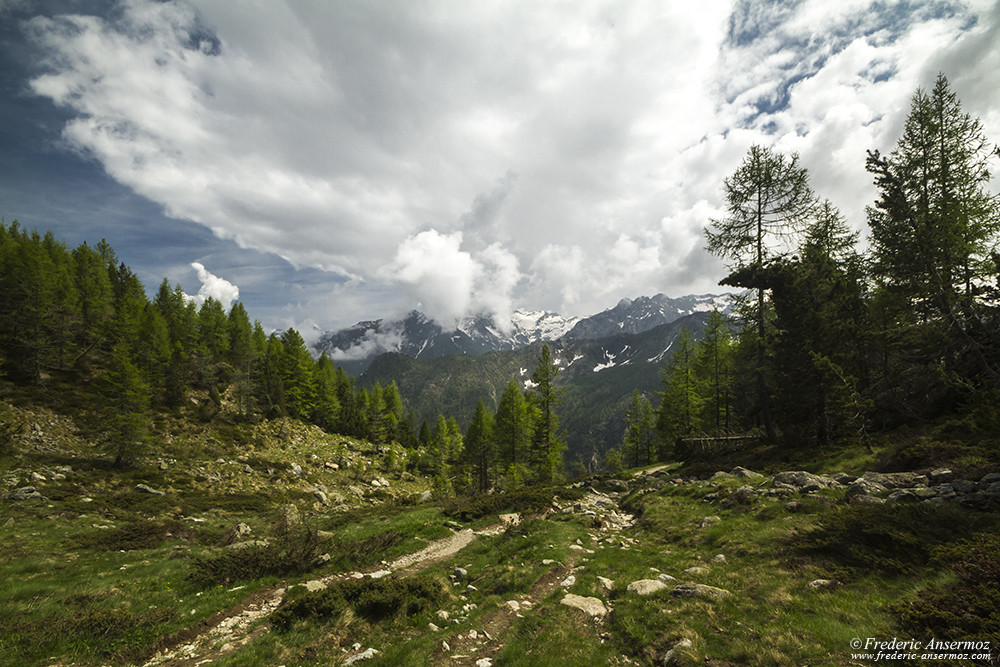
pixel 136 535
pixel 528 499
pixel 294 551
pixel 375 600
pixel 968 609
pixel 889 538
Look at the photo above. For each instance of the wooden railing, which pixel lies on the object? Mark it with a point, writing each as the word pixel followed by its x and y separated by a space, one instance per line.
pixel 708 445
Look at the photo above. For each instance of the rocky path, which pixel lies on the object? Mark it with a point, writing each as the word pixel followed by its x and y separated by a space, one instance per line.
pixel 228 631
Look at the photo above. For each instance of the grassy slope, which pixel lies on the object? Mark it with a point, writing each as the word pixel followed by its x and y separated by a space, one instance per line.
pixel 106 580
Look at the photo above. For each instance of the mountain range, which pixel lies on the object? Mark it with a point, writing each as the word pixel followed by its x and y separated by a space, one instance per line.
pixel 418 337
pixel 601 360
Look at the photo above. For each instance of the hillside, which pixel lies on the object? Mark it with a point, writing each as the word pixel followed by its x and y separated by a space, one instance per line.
pixel 280 544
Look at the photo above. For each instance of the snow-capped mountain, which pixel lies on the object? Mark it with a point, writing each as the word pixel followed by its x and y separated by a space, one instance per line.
pixel 631 316
pixel 418 337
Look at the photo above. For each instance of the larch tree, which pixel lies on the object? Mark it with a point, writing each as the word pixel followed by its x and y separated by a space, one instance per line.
pixel 768 204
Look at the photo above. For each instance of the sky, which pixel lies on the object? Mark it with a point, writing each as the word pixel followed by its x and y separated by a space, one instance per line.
pixel 327 162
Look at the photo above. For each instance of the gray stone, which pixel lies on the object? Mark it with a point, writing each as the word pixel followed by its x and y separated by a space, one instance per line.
pixel 963 486
pixel 297 470
pixel 864 486
pixel 844 478
pixel 699 591
pixel 249 544
pixel 902 496
pixel 743 473
pixel 696 570
pixel 804 481
pixel 242 530
pixel 321 497
pixel 606 583
pixel 990 478
pixel 709 521
pixel 939 476
pixel 144 488
pixel 24 493
pixel 591 606
pixel 460 573
pixel 676 657
pixel 719 559
pixel 646 586
pixel 367 654
pixel 897 480
pixel 822 583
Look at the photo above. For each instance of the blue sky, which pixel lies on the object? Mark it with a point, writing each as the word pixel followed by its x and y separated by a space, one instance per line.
pixel 340 161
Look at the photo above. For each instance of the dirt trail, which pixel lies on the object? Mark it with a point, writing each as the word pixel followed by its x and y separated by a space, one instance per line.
pixel 228 631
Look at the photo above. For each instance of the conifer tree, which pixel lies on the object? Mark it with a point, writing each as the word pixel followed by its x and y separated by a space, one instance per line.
pixel 480 449
pixel 547 444
pixel 768 204
pixel 127 397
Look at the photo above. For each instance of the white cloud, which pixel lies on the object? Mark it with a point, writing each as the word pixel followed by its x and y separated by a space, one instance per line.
pixel 585 143
pixel 215 287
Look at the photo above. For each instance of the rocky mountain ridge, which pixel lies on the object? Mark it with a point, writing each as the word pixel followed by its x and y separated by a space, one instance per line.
pixel 418 337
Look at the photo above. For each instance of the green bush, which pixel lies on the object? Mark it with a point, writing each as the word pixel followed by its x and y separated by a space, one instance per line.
pixel 294 551
pixel 528 499
pixel 375 600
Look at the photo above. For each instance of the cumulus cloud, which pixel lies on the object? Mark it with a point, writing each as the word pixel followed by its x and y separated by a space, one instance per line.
pixel 212 286
pixel 447 283
pixel 476 157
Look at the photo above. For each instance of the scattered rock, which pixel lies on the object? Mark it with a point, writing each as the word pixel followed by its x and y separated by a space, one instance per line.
pixel 484 662
pixel 720 559
pixel 896 480
pixel 696 570
pixel 589 605
pixel 144 488
pixel 249 544
pixel 24 493
pixel 37 477
pixel 709 521
pixel 460 573
pixel 433 628
pixel 745 495
pixel 367 654
pixel 514 605
pixel 743 473
pixel 510 519
pixel 330 465
pixel 803 481
pixel 666 578
pixel 568 581
pixel 902 496
pixel 646 586
pixel 822 583
pixel 242 530
pixel 699 591
pixel 315 585
pixel 297 470
pixel 608 584
pixel 676 656
pixel 863 486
